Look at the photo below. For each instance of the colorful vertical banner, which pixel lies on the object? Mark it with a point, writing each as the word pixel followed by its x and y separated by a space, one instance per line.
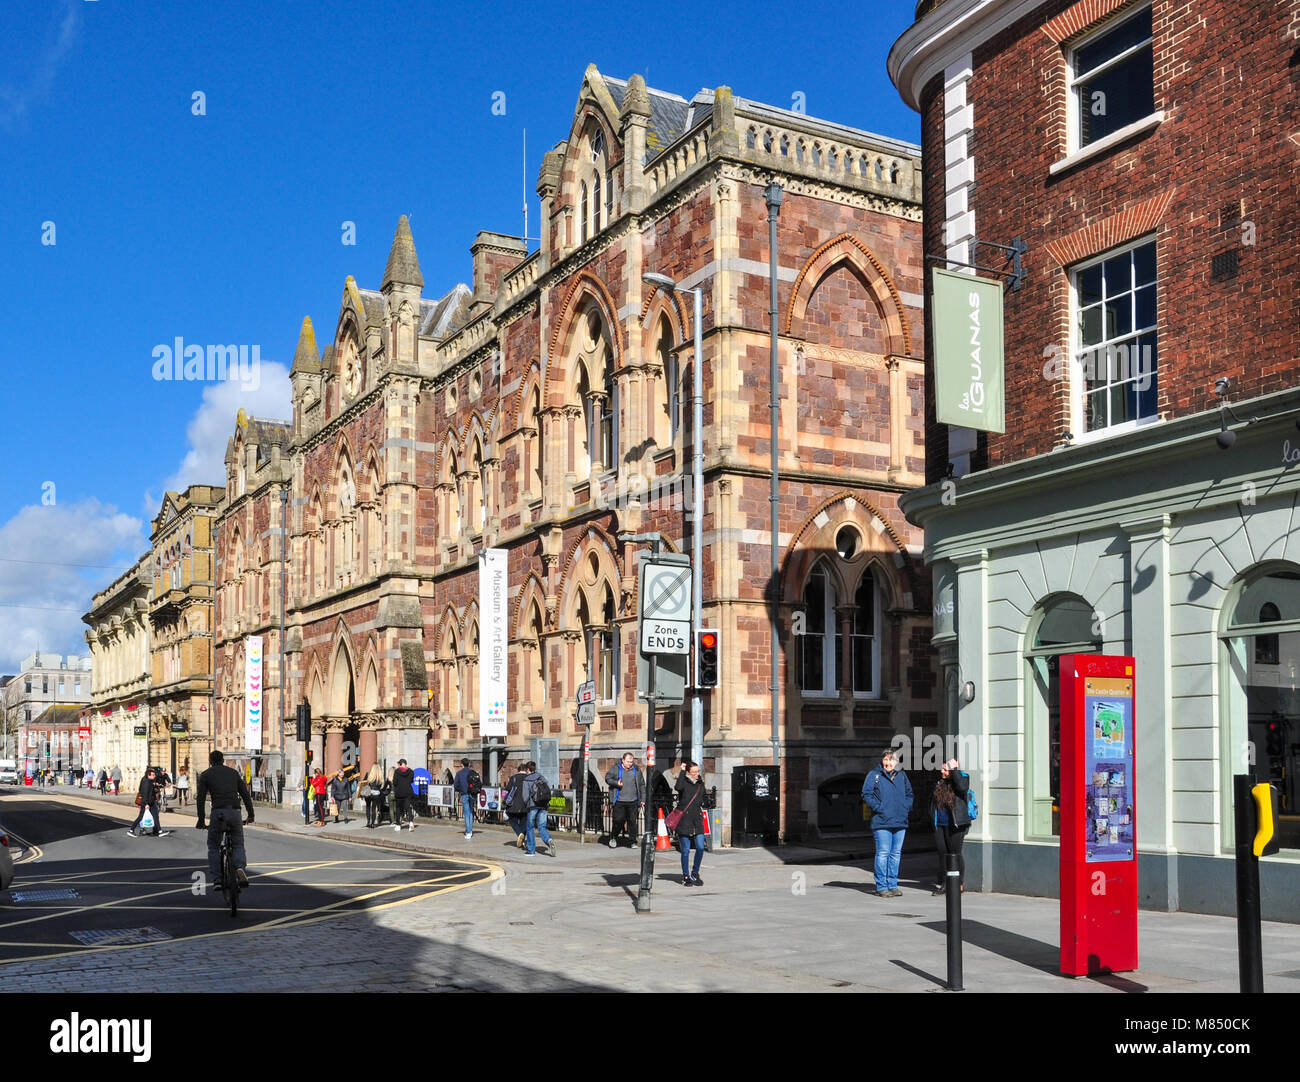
pixel 253 693
pixel 493 657
pixel 968 352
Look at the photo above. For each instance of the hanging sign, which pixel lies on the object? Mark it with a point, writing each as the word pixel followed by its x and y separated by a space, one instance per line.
pixel 493 657
pixel 968 354
pixel 253 693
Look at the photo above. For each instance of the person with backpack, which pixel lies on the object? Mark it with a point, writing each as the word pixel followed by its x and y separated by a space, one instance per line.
pixel 468 784
pixel 888 794
pixel 950 811
pixel 515 805
pixel 627 797
pixel 537 797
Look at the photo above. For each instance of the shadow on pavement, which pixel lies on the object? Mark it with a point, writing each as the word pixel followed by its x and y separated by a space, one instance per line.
pixel 940 981
pixel 1033 953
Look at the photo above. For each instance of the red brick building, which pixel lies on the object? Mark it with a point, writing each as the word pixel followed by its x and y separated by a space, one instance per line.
pixel 545 410
pixel 1143 497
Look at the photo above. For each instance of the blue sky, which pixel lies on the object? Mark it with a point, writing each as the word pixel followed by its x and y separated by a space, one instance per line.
pixel 227 227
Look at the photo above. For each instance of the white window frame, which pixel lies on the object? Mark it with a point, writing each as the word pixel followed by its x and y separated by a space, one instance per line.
pixel 606 674
pixel 829 634
pixel 1078 379
pixel 874 691
pixel 1076 78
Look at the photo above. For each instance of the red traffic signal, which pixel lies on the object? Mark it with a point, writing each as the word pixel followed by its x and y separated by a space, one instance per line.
pixel 706 658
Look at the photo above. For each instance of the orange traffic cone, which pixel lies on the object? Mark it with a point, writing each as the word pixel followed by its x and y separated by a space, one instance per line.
pixel 661 833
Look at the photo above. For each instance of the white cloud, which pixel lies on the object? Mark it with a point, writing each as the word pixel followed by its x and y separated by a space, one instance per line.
pixel 16 101
pixel 269 397
pixel 54 559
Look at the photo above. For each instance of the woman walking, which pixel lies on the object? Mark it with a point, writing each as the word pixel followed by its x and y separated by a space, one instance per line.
pixel 318 784
pixel 371 789
pixel 690 821
pixel 951 818
pixel 183 787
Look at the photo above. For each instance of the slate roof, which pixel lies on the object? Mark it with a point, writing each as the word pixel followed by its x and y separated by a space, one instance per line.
pixel 670 114
pixel 444 317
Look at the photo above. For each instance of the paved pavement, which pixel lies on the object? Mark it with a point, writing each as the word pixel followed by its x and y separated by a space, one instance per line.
pixel 788 919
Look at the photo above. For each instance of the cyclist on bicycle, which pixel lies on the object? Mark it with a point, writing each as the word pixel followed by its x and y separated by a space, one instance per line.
pixel 227 788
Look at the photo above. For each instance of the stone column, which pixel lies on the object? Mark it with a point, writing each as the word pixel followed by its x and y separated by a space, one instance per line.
pixel 898 411
pixel 369 743
pixel 333 744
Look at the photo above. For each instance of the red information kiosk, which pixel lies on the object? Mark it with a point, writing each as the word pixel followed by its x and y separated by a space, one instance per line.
pixel 1098 815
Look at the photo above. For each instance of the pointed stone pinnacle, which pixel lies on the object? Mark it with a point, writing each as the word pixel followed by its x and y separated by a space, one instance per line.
pixel 403 264
pixel 306 357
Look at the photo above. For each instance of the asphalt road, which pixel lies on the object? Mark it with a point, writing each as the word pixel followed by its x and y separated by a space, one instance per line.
pixel 82 884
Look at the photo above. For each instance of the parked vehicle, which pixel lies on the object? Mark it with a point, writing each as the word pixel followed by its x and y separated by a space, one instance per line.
pixel 6 861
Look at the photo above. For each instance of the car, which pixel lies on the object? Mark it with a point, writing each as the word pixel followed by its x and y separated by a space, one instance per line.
pixel 9 776
pixel 6 860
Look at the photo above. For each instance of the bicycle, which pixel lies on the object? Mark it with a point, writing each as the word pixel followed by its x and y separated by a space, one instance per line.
pixel 229 880
pixel 230 887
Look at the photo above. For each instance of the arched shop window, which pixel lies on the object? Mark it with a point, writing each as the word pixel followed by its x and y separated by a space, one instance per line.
pixel 1260 720
pixel 1064 624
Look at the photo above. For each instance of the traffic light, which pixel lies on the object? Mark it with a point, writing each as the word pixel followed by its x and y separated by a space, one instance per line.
pixel 304 722
pixel 1265 844
pixel 1273 743
pixel 309 754
pixel 706 658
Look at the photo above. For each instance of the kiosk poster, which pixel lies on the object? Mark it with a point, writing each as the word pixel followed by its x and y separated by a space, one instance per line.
pixel 1108 768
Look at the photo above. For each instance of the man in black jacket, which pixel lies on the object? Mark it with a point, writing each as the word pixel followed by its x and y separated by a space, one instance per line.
pixel 227 788
pixel 403 790
pixel 148 801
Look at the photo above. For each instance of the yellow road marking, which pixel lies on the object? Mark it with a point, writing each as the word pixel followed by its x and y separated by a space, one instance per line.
pixel 33 852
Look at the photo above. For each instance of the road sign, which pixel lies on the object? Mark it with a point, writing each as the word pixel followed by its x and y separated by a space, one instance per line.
pixel 666 592
pixel 663 628
pixel 665 636
pixel 587 692
pixel 586 713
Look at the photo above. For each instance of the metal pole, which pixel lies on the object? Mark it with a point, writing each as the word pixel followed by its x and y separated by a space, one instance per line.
pixel 647 839
pixel 1250 949
pixel 697 523
pixel 284 604
pixel 773 195
pixel 954 924
pixel 582 800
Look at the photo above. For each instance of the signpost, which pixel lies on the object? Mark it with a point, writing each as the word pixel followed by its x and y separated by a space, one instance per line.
pixel 586 718
pixel 663 639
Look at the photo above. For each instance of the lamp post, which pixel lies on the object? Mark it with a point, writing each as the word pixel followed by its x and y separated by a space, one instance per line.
pixel 772 196
pixel 284 604
pixel 697 494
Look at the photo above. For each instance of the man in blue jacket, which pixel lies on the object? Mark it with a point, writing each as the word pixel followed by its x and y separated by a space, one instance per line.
pixel 888 793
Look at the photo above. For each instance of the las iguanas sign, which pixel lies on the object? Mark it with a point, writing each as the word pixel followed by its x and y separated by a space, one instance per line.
pixel 968 355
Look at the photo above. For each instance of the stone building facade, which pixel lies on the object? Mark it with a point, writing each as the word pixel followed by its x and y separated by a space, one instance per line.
pixel 1143 499
pixel 120 639
pixel 249 595
pixel 181 620
pixel 44 682
pixel 544 409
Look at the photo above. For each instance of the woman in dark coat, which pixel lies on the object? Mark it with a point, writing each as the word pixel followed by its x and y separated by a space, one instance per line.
pixel 951 820
pixel 690 828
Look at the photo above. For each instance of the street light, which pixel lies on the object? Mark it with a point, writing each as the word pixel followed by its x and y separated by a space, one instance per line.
pixel 697 493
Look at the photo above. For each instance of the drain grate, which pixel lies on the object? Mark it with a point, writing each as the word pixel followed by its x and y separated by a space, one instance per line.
pixel 906 916
pixel 43 895
pixel 99 937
